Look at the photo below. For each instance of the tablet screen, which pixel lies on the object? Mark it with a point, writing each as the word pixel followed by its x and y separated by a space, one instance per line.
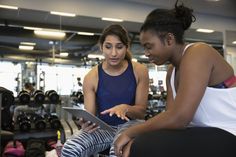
pixel 81 113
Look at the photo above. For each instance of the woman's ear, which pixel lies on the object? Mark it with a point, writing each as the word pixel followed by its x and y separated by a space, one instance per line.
pixel 170 39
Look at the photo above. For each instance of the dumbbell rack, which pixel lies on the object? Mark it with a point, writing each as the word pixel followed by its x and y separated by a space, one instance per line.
pixel 47 133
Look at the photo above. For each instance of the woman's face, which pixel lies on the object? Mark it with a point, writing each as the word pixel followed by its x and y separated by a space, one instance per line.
pixel 154 48
pixel 114 50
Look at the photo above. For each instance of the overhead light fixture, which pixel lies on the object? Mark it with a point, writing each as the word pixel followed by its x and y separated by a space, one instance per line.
pixel 85 33
pixel 50 33
pixel 32 28
pixel 62 13
pixel 143 57
pixel 213 0
pixel 234 42
pixel 134 60
pixel 93 56
pixel 112 19
pixel 28 43
pixel 205 30
pixel 8 7
pixel 26 47
pixel 64 54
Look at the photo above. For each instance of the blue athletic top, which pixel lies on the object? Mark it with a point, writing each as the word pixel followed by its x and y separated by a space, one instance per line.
pixel 115 90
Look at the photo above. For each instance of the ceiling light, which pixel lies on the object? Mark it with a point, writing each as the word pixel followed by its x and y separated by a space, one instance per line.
pixel 112 19
pixel 234 42
pixel 213 0
pixel 205 30
pixel 25 47
pixel 64 54
pixel 50 33
pixel 28 43
pixel 85 33
pixel 32 28
pixel 8 7
pixel 93 56
pixel 134 60
pixel 62 14
pixel 143 56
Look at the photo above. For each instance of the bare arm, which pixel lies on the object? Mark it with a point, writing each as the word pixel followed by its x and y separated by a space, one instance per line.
pixel 141 98
pixel 89 89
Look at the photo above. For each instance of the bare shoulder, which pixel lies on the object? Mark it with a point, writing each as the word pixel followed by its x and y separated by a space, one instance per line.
pixel 201 48
pixel 140 71
pixel 91 77
pixel 139 68
pixel 200 53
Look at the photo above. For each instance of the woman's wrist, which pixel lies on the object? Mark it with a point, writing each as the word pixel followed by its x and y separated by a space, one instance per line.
pixel 126 110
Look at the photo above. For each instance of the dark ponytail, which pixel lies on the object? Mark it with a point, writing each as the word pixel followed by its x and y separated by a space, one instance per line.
pixel 184 15
pixel 175 21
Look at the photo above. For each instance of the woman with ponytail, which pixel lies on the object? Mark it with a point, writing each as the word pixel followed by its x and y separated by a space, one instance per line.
pixel 200 116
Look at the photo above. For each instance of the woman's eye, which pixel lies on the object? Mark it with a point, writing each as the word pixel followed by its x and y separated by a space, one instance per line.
pixel 120 46
pixel 108 46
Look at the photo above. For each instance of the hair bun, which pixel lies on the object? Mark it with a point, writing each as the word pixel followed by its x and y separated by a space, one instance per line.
pixel 185 15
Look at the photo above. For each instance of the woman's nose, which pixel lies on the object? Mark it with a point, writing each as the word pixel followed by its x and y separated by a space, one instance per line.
pixel 113 53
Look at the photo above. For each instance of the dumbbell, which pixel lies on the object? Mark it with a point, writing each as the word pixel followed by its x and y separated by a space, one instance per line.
pixel 150 96
pixel 7 98
pixel 52 96
pixel 54 122
pixel 164 95
pixel 24 122
pixel 80 97
pixel 39 122
pixel 24 97
pixel 39 97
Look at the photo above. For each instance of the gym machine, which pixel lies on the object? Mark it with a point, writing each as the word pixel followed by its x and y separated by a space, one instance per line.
pixel 156 99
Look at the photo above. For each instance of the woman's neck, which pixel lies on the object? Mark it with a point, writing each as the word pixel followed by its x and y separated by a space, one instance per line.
pixel 116 69
pixel 177 55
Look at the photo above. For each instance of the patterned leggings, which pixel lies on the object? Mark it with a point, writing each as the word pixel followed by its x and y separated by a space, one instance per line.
pixel 86 144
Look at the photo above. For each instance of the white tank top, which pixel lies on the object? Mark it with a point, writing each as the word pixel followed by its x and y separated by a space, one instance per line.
pixel 216 109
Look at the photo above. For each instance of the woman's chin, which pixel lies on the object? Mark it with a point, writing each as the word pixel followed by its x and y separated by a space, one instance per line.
pixel 114 63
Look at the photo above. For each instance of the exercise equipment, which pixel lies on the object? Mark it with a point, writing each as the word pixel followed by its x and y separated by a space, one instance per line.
pixel 39 122
pixel 52 96
pixel 78 97
pixel 38 97
pixel 54 122
pixel 7 97
pixel 24 122
pixel 24 97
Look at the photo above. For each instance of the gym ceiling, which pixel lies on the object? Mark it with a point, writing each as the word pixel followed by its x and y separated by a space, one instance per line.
pixel 219 16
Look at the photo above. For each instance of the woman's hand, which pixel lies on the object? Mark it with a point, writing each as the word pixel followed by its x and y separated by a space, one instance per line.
pixel 122 145
pixel 126 149
pixel 86 126
pixel 119 110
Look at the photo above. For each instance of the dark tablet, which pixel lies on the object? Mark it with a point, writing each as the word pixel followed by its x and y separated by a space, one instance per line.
pixel 81 113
